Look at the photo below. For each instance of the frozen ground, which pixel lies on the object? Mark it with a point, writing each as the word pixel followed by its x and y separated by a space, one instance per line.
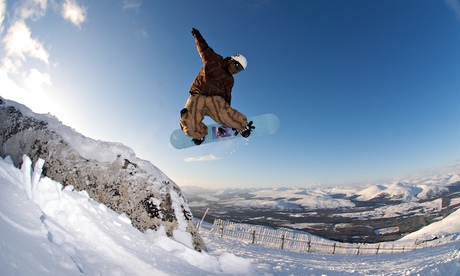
pixel 47 230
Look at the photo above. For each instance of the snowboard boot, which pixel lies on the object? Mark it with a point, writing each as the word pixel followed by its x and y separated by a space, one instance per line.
pixel 198 141
pixel 247 130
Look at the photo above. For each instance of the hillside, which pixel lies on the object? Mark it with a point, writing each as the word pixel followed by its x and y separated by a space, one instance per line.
pixel 64 232
pixel 110 173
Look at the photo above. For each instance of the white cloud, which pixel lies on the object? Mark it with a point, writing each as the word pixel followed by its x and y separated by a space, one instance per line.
pixel 19 44
pixel 22 78
pixel 31 9
pixel 10 65
pixel 2 14
pixel 73 12
pixel 38 102
pixel 209 157
pixel 18 80
pixel 8 88
pixel 131 5
pixel 36 80
pixel 454 5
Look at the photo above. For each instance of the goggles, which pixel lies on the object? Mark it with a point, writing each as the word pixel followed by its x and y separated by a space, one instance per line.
pixel 237 66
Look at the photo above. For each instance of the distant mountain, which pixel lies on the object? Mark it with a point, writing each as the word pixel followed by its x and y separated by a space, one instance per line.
pixel 376 213
pixel 327 198
pixel 411 190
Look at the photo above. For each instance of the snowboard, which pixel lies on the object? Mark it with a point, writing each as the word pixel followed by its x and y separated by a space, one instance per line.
pixel 265 124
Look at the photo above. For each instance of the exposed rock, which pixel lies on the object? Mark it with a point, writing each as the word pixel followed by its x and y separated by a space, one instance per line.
pixel 109 172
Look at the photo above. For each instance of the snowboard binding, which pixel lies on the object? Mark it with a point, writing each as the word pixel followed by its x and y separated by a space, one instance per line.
pixel 246 131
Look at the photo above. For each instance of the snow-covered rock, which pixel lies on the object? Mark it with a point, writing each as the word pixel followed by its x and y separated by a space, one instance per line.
pixel 109 172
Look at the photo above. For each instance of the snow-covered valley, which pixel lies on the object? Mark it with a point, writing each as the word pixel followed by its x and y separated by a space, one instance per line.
pixel 383 212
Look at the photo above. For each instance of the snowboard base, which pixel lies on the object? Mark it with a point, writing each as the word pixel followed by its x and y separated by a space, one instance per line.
pixel 265 124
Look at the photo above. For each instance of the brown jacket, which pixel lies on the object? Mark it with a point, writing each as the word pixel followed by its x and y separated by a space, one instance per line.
pixel 214 79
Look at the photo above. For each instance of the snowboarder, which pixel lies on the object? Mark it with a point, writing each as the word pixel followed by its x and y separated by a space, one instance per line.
pixel 211 94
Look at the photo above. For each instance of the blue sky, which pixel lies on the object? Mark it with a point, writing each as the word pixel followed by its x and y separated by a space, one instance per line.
pixel 366 91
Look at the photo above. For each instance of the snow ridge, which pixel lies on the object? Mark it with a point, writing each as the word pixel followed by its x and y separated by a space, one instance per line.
pixel 109 172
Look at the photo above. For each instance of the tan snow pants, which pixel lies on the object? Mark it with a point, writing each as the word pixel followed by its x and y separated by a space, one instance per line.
pixel 198 106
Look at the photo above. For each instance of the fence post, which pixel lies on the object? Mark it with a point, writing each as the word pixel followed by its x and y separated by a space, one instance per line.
pixel 269 237
pixel 201 221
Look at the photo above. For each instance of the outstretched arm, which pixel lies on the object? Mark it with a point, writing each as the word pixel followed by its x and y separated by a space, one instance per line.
pixel 201 45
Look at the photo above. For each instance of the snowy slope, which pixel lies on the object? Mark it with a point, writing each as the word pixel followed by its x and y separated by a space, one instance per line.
pixel 109 172
pixel 102 151
pixel 64 232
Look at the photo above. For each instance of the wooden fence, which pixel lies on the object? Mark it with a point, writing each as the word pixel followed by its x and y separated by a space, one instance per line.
pixel 304 242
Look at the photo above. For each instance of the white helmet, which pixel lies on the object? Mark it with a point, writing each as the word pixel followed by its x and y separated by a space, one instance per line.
pixel 241 59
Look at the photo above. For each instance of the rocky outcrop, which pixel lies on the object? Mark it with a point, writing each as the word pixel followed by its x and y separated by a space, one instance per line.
pixel 109 172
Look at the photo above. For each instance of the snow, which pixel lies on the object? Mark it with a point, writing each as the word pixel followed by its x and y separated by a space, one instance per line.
pixel 64 232
pixel 388 230
pixel 448 225
pixel 50 230
pixel 314 199
pixel 391 211
pixel 409 190
pixel 455 178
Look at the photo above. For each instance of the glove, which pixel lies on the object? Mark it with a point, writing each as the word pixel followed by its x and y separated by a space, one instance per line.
pixel 194 31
